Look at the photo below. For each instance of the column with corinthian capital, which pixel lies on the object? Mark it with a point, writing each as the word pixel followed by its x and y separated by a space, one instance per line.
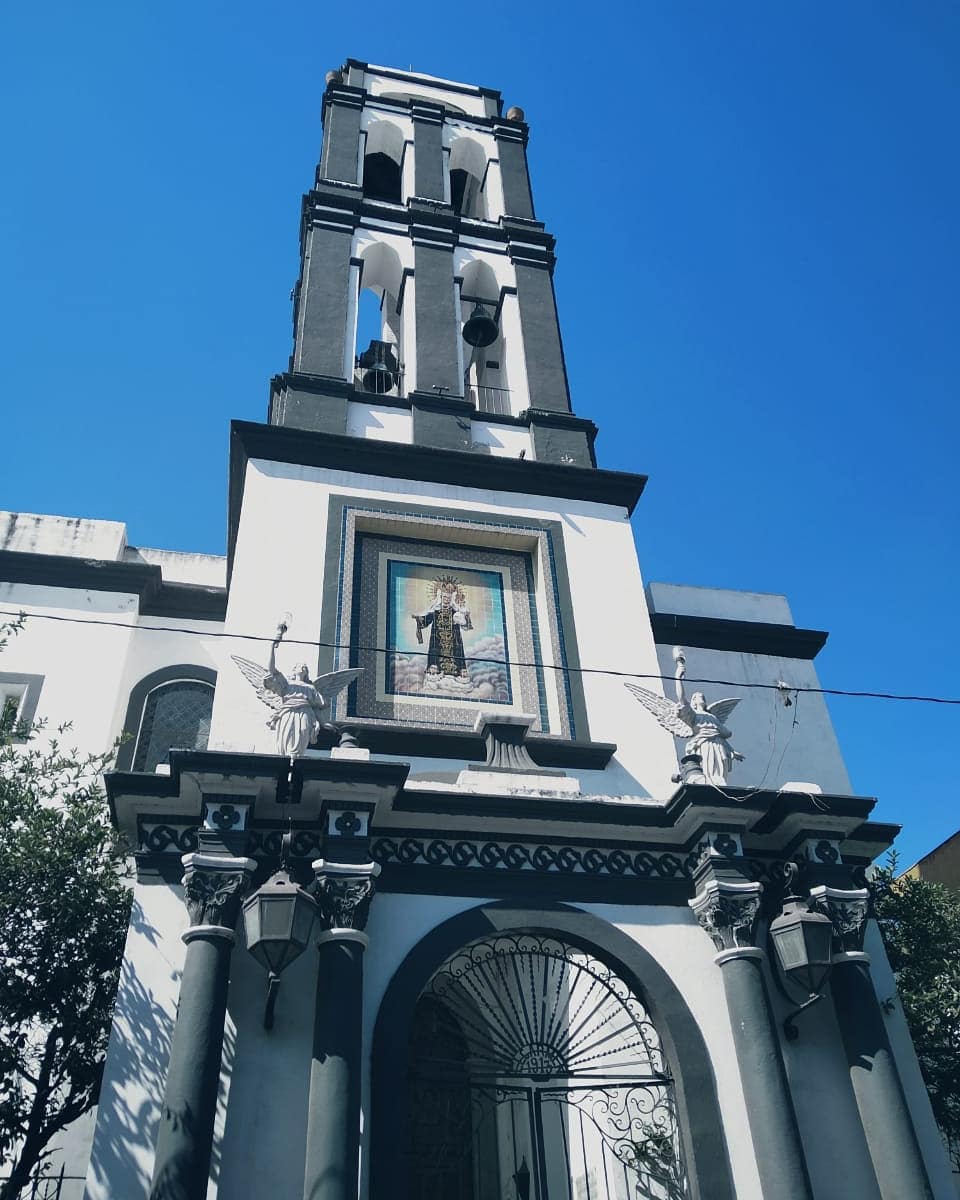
pixel 897 1161
pixel 214 884
pixel 727 905
pixel 344 893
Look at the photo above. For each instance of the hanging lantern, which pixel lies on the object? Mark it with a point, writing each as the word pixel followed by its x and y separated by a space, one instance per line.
pixel 803 941
pixel 277 921
pixel 481 329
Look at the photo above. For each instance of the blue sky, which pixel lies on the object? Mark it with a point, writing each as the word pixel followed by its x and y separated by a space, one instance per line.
pixel 756 211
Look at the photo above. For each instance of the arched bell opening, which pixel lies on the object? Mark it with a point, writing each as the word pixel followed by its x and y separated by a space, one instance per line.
pixel 485 376
pixel 383 162
pixel 468 166
pixel 378 363
pixel 534 1072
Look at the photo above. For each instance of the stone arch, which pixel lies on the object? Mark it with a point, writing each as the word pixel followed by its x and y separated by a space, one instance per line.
pixel 378 314
pixel 486 380
pixel 382 162
pixel 704 1146
pixel 468 168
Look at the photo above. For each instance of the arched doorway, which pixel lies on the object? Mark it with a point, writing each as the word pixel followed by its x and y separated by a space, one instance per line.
pixel 534 1072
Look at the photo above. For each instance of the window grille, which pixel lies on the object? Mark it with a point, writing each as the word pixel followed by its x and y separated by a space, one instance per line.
pixel 535 1072
pixel 176 716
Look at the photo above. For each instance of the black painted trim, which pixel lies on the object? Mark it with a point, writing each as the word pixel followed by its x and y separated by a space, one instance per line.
pixel 533 886
pixel 186 601
pixel 686 1053
pixel 749 637
pixel 426 741
pixel 419 464
pixel 188 672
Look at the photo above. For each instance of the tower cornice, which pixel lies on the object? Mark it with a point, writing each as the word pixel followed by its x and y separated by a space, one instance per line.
pixel 420 464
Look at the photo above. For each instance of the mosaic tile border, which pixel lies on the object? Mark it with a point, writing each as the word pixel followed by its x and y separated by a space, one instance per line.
pixel 523 537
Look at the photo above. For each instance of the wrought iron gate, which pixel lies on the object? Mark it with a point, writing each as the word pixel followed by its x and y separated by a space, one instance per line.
pixel 536 1074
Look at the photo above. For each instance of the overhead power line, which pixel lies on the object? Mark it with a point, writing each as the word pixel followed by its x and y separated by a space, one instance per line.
pixel 777 686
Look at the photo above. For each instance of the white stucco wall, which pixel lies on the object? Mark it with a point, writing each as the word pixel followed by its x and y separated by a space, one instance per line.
pixel 276 571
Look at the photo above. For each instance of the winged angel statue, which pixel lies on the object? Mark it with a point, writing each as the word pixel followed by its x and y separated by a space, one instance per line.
pixel 704 725
pixel 301 706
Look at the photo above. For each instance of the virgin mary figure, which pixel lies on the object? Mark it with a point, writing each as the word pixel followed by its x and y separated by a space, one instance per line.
pixel 445 618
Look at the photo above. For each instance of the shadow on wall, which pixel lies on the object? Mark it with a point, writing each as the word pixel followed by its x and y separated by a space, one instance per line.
pixel 121 1163
pixel 266 1119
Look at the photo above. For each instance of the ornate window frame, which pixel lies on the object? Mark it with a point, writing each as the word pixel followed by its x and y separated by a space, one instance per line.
pixel 140 694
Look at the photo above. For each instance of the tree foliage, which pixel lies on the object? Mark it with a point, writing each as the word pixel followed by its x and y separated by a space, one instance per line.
pixel 920 922
pixel 64 904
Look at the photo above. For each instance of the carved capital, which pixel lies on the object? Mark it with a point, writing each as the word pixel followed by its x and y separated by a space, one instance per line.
pixel 212 889
pixel 728 912
pixel 344 893
pixel 848 911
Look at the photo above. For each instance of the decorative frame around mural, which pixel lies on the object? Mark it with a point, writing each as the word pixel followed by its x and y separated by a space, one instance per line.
pixel 527 556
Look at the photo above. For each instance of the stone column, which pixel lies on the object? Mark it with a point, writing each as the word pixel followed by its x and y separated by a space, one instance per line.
pixel 325 284
pixel 428 149
pixel 887 1124
pixel 340 157
pixel 344 892
pixel 542 348
pixel 214 884
pixel 727 908
pixel 512 151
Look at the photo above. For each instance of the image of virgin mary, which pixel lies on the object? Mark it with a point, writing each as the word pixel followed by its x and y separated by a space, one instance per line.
pixel 445 619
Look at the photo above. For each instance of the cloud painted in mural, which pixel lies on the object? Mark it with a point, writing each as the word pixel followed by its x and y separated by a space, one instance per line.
pixel 446 633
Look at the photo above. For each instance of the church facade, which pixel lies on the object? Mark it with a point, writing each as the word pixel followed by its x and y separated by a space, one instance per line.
pixel 532 906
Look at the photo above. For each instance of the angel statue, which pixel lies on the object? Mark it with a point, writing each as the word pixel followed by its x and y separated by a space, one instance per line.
pixel 701 723
pixel 301 707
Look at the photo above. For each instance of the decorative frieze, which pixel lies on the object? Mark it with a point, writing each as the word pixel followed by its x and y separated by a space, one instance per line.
pixel 558 858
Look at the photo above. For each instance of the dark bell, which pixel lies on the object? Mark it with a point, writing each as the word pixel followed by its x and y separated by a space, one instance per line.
pixel 481 329
pixel 380 368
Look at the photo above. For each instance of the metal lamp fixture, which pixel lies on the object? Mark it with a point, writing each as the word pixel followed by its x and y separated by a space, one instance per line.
pixel 277 920
pixel 803 942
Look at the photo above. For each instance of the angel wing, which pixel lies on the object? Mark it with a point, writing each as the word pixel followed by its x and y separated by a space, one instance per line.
pixel 722 709
pixel 332 684
pixel 668 712
pixel 255 675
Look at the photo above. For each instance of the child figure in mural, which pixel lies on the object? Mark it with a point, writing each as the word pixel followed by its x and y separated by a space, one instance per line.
pixel 445 618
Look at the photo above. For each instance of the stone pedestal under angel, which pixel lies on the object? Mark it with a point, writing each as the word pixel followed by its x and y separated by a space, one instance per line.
pixel 704 725
pixel 301 706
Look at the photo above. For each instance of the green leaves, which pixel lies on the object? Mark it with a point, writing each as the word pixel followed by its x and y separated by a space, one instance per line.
pixel 920 922
pixel 64 903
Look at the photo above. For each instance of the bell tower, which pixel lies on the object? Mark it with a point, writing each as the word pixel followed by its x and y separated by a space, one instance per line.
pixel 422 201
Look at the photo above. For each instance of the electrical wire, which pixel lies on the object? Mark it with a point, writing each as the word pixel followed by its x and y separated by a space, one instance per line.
pixel 563 669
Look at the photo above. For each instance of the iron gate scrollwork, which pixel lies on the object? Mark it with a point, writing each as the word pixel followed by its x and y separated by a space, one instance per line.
pixel 535 1073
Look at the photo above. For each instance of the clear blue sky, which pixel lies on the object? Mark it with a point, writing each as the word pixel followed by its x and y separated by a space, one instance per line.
pixel 756 206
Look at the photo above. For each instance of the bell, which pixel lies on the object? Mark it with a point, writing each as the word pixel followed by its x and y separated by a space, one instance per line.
pixel 380 368
pixel 481 329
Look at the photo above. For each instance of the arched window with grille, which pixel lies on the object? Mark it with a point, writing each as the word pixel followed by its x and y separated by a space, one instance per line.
pixel 168 710
pixel 514 1061
pixel 536 1072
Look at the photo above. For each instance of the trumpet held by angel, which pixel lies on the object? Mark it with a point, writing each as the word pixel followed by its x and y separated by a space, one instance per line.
pixel 300 706
pixel 703 725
